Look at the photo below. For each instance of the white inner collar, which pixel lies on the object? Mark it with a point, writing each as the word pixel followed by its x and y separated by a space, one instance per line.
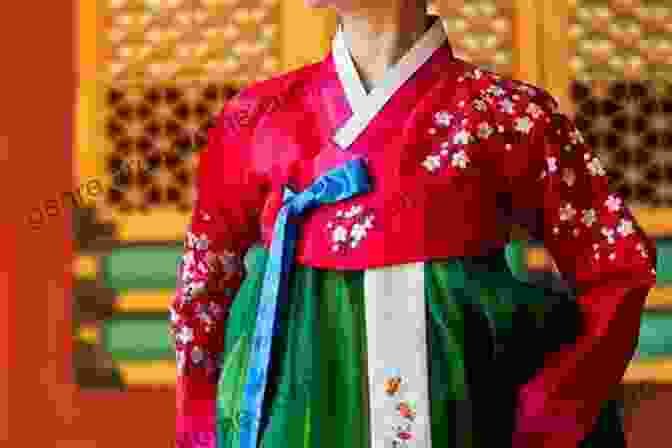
pixel 365 106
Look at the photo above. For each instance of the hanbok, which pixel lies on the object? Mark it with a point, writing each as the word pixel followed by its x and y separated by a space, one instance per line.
pixel 345 279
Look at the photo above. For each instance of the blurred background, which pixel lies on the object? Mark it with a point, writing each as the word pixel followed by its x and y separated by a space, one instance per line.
pixel 144 80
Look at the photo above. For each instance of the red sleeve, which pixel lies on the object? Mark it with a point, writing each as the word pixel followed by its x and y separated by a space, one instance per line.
pixel 599 247
pixel 223 226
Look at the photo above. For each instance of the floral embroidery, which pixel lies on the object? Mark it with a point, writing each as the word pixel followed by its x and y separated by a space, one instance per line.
pixel 524 124
pixel 625 227
pixel 350 228
pixel 404 409
pixel 203 277
pixel 613 203
pixel 595 167
pixel 506 105
pixel 443 119
pixel 567 212
pixel 485 130
pixel 480 105
pixel 589 217
pixel 534 110
pixel 462 138
pixel 460 159
pixel 432 163
pixel 568 176
pixel 552 163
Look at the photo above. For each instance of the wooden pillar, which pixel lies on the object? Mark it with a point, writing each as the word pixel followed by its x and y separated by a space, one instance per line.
pixel 35 283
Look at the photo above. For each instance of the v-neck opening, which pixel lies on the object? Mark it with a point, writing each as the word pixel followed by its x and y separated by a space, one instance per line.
pixel 364 106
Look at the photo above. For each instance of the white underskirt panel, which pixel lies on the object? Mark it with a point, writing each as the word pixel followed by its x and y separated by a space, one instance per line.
pixel 397 356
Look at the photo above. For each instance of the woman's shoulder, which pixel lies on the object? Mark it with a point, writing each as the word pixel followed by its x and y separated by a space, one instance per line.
pixel 506 95
pixel 261 98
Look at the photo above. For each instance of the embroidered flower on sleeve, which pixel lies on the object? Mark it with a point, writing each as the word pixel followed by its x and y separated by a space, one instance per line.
pixel 613 203
pixel 443 119
pixel 480 105
pixel 589 217
pixel 595 167
pixel 185 335
pixel 552 163
pixel 568 176
pixel 432 163
pixel 534 110
pixel 567 212
pixel 506 106
pixel 524 124
pixel 625 227
pixel 485 130
pixel 463 137
pixel 460 159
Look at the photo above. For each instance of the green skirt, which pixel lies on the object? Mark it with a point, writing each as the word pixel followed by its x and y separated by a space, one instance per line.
pixel 487 334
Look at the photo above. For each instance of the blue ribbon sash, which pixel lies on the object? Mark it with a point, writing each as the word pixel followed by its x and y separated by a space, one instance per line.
pixel 344 182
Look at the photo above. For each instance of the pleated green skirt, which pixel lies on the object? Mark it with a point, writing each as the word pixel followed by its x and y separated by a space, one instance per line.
pixel 487 334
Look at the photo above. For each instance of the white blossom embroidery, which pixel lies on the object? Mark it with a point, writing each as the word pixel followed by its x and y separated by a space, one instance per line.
pixel 495 90
pixel 340 234
pixel 568 176
pixel 443 119
pixel 534 110
pixel 552 163
pixel 480 105
pixel 609 234
pixel 462 138
pixel 185 335
pixel 613 203
pixel 432 163
pixel 460 159
pixel 523 124
pixel 506 105
pixel 567 212
pixel 354 211
pixel 595 167
pixel 589 217
pixel 625 227
pixel 485 130
pixel 354 227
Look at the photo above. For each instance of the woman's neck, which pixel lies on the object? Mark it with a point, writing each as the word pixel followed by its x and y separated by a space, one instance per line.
pixel 379 37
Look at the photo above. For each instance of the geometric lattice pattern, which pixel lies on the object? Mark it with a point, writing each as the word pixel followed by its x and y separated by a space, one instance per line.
pixel 151 135
pixel 630 126
pixel 480 31
pixel 189 40
pixel 621 39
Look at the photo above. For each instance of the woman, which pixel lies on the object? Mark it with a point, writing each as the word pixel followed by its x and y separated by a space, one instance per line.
pixel 379 310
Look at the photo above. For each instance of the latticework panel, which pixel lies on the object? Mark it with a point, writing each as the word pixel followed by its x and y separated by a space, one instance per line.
pixel 630 126
pixel 621 39
pixel 151 135
pixel 480 31
pixel 188 40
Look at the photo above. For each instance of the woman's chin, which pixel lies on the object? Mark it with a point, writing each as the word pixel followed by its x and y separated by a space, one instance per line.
pixel 317 3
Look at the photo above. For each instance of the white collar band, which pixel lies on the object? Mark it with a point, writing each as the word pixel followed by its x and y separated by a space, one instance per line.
pixel 365 106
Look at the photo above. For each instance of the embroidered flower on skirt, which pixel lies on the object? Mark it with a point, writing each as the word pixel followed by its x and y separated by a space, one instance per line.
pixel 402 410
